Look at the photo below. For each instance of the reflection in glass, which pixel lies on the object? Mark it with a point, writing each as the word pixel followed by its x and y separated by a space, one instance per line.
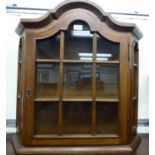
pixel 47 80
pixel 77 80
pixel 78 40
pixel 77 118
pixel 135 82
pixel 106 50
pixel 107 81
pixel 106 118
pixel 48 48
pixel 46 118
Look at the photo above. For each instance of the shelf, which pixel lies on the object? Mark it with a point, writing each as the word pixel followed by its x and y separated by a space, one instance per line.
pixel 54 136
pixel 46 99
pixel 77 61
pixel 77 99
pixel 47 61
pixel 45 83
pixel 108 62
pixel 107 100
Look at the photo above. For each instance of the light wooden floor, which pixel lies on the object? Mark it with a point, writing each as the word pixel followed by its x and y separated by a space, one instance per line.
pixel 143 148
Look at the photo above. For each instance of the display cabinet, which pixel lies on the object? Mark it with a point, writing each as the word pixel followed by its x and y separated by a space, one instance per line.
pixel 77 83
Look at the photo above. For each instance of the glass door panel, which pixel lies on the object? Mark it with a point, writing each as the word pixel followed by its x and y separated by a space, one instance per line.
pixel 48 48
pixel 135 80
pixel 46 118
pixel 78 42
pixel 106 118
pixel 135 113
pixel 47 81
pixel 20 50
pixel 136 57
pixel 136 53
pixel 77 80
pixel 77 117
pixel 107 84
pixel 73 113
pixel 106 50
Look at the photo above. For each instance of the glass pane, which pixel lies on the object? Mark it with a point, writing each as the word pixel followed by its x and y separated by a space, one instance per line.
pixel 107 76
pixel 46 118
pixel 20 50
pixel 18 119
pixel 19 99
pixel 78 42
pixel 106 50
pixel 19 81
pixel 47 80
pixel 136 53
pixel 135 112
pixel 77 118
pixel 48 48
pixel 135 82
pixel 136 58
pixel 106 118
pixel 77 80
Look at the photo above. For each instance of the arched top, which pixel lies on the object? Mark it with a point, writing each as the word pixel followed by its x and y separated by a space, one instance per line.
pixel 74 4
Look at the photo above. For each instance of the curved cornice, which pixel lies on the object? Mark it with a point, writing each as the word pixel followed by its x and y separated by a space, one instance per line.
pixel 72 4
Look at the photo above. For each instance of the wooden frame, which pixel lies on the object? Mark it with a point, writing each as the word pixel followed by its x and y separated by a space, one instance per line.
pixel 58 20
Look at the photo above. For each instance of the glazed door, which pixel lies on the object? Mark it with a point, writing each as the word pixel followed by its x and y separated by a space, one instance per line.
pixel 77 89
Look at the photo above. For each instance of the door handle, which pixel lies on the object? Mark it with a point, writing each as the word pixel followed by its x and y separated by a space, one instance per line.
pixel 28 92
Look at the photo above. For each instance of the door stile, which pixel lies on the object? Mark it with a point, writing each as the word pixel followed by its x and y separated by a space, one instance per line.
pixel 94 85
pixel 28 87
pixel 60 113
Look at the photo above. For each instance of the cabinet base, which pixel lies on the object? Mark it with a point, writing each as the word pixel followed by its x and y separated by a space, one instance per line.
pixel 75 150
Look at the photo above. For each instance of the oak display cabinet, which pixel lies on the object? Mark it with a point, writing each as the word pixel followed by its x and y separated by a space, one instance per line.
pixel 77 83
